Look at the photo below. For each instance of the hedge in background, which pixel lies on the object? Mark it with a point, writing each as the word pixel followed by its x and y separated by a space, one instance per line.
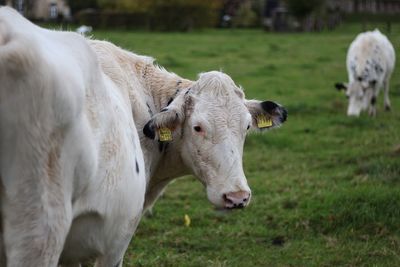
pixel 114 19
pixel 165 15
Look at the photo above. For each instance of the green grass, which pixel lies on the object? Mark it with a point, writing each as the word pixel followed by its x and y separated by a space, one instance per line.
pixel 326 188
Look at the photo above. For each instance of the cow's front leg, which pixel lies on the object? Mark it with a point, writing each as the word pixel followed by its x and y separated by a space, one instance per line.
pixel 372 104
pixel 386 95
pixel 372 111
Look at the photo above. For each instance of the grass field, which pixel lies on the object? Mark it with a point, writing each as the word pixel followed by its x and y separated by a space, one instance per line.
pixel 326 188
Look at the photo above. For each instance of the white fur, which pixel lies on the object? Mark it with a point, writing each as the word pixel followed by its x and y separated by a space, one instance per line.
pixel 69 146
pixel 371 58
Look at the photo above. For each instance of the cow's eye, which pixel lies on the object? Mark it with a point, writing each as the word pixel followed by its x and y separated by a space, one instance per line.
pixel 373 82
pixel 359 78
pixel 197 128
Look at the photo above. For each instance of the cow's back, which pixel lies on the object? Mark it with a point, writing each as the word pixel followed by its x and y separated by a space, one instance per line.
pixel 371 46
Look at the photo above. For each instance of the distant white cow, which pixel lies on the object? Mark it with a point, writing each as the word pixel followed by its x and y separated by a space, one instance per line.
pixel 71 165
pixel 370 63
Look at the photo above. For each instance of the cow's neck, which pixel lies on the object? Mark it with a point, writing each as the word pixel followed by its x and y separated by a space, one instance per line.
pixel 163 160
pixel 149 89
pixel 162 86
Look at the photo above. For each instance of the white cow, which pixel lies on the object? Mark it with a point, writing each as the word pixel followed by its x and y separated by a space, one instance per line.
pixel 370 63
pixel 71 165
pixel 74 183
pixel 208 119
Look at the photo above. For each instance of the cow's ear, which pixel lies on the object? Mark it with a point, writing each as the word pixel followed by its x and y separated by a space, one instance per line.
pixel 341 86
pixel 266 115
pixel 164 123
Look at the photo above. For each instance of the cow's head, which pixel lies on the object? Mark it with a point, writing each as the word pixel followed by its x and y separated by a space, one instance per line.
pixel 211 121
pixel 362 90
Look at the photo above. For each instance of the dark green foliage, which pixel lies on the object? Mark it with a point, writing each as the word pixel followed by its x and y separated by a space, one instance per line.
pixel 172 15
pixel 303 8
pixel 77 5
pixel 114 19
pixel 182 16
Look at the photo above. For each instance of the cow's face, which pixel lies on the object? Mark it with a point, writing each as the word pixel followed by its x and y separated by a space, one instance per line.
pixel 214 119
pixel 360 97
pixel 362 90
pixel 213 139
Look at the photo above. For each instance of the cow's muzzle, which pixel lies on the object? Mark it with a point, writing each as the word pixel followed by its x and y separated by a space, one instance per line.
pixel 236 200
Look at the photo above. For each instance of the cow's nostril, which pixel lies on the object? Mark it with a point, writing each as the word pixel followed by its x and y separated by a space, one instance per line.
pixel 238 199
pixel 227 199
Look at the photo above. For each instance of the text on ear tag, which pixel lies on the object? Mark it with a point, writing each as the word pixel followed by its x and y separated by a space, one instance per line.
pixel 263 122
pixel 165 134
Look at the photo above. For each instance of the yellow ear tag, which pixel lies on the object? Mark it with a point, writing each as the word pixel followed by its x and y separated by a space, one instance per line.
pixel 263 122
pixel 165 134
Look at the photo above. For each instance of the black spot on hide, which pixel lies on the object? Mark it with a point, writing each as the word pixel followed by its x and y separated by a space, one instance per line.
pixel 373 100
pixel 170 101
pixel 187 92
pixel 378 68
pixel 149 110
pixel 137 167
pixel 148 130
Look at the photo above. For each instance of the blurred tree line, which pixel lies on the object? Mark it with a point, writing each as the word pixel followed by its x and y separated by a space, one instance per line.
pixel 185 15
pixel 303 8
pixel 164 15
pixel 314 15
